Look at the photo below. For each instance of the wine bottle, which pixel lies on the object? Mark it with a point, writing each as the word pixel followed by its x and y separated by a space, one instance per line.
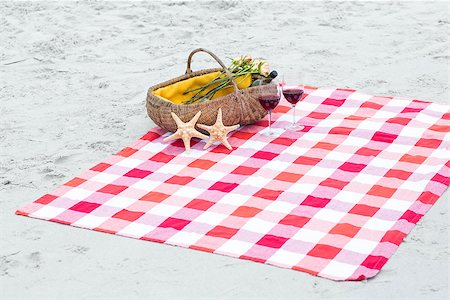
pixel 265 80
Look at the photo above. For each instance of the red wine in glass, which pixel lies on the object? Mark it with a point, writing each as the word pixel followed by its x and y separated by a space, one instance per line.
pixel 293 95
pixel 269 102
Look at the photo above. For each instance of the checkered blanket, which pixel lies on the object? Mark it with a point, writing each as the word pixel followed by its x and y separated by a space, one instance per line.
pixel 334 199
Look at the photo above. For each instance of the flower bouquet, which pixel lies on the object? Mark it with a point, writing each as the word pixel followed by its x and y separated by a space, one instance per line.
pixel 246 72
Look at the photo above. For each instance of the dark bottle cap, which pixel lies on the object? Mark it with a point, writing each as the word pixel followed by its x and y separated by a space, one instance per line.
pixel 273 74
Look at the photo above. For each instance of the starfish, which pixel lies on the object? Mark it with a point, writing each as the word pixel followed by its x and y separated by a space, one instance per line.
pixel 186 131
pixel 218 131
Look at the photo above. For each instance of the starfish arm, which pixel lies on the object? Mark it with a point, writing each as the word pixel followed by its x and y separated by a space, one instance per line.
pixel 204 127
pixel 177 120
pixel 231 128
pixel 195 118
pixel 174 136
pixel 200 135
pixel 213 139
pixel 226 144
pixel 219 116
pixel 207 145
pixel 187 142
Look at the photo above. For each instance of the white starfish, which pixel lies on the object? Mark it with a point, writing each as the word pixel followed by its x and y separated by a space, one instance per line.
pixel 186 131
pixel 218 131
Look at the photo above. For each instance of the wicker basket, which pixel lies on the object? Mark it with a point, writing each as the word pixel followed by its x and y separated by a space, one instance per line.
pixel 239 107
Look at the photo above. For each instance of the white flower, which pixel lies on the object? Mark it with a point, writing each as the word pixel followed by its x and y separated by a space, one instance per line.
pixel 264 70
pixel 237 59
pixel 256 66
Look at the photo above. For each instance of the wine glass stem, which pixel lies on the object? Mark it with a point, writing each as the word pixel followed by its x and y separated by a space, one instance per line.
pixel 270 121
pixel 293 115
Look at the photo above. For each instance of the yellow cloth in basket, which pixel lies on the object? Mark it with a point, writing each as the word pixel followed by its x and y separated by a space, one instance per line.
pixel 175 92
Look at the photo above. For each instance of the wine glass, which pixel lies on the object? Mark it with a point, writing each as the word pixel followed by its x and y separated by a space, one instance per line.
pixel 269 101
pixel 293 90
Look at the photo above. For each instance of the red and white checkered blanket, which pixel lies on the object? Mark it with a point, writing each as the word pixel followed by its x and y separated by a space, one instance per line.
pixel 335 199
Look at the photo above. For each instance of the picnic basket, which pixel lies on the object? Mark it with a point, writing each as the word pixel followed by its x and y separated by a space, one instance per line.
pixel 238 107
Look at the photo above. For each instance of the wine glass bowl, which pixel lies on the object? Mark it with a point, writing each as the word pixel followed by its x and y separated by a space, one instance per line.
pixel 269 101
pixel 292 94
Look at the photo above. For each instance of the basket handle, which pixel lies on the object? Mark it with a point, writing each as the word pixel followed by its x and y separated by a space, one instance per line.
pixel 188 68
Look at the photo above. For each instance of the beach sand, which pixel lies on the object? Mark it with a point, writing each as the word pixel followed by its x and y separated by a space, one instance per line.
pixel 73 81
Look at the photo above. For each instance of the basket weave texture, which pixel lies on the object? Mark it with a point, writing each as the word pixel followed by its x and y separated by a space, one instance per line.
pixel 239 107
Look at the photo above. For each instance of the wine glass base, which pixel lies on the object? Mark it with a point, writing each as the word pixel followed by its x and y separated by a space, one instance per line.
pixel 294 127
pixel 269 133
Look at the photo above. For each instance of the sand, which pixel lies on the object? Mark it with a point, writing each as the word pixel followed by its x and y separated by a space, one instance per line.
pixel 73 79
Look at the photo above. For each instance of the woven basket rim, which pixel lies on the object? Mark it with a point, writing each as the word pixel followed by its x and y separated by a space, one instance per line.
pixel 184 77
